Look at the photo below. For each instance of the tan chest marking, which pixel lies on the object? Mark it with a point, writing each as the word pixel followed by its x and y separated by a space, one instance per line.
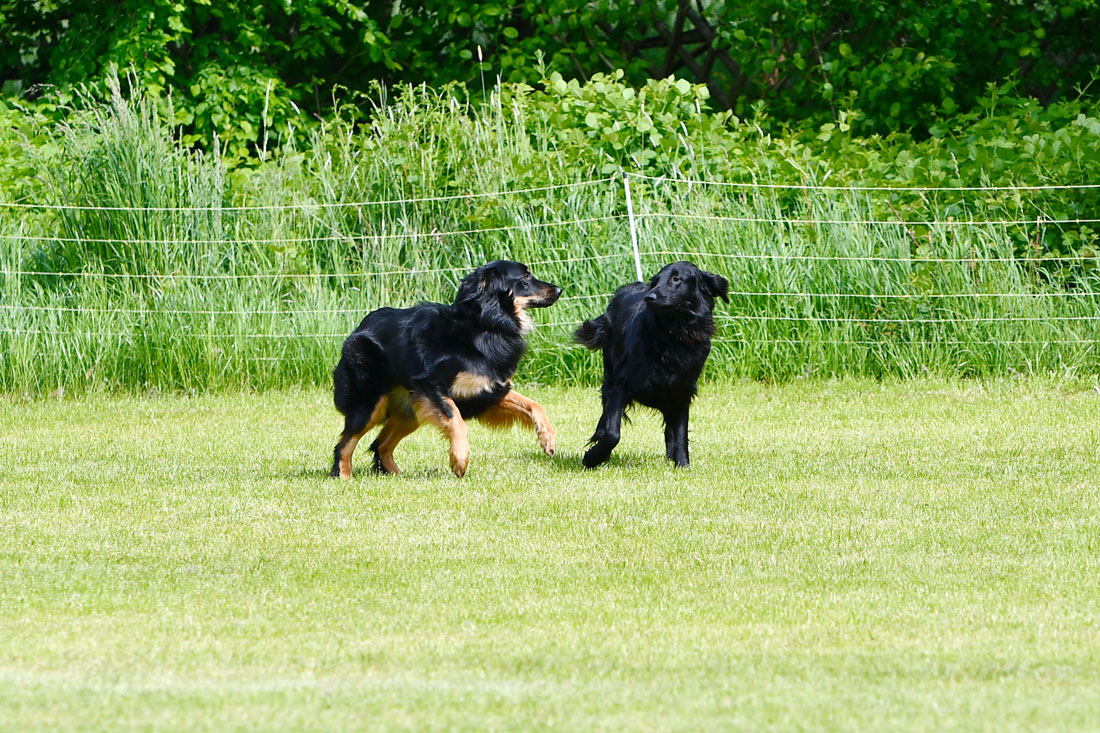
pixel 468 384
pixel 526 323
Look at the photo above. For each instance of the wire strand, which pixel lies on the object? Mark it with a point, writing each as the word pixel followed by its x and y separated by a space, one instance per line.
pixel 875 258
pixel 329 238
pixel 331 205
pixel 291 275
pixel 867 222
pixel 551 324
pixel 97 334
pixel 899 189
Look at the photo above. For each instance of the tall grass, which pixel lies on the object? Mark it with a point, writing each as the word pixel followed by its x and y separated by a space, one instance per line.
pixel 172 273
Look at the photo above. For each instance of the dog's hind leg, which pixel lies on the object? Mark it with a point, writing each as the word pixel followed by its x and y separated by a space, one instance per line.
pixel 393 432
pixel 514 408
pixel 451 425
pixel 608 429
pixel 356 425
pixel 676 435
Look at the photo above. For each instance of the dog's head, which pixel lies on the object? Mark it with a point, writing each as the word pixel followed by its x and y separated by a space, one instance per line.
pixel 683 287
pixel 505 289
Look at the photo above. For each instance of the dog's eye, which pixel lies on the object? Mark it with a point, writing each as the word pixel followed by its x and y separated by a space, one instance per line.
pixel 675 278
pixel 527 276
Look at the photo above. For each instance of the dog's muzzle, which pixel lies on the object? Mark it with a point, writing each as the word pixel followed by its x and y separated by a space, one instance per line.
pixel 551 297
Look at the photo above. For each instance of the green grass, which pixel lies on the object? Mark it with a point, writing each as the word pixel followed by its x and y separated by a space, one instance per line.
pixel 854 554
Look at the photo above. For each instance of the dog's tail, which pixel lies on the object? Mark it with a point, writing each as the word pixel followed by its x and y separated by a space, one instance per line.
pixel 361 375
pixel 592 334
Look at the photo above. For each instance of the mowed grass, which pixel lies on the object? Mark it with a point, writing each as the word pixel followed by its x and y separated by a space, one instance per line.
pixel 840 555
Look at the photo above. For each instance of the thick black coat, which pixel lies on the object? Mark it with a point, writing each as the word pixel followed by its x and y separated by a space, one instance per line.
pixel 403 366
pixel 655 339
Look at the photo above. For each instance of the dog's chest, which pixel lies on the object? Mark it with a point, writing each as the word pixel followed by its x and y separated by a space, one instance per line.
pixel 669 367
pixel 674 356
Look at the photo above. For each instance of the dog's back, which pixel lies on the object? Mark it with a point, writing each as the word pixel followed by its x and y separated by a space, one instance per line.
pixel 365 369
pixel 596 333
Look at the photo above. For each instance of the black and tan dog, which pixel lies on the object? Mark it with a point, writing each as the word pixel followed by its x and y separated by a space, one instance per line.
pixel 442 365
pixel 655 339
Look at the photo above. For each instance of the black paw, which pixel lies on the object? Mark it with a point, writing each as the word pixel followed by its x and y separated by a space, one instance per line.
pixel 377 466
pixel 595 456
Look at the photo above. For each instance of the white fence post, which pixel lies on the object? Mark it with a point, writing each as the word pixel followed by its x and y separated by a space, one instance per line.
pixel 633 227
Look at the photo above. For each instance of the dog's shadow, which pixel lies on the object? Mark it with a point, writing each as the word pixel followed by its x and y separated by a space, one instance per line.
pixel 311 473
pixel 562 463
pixel 572 463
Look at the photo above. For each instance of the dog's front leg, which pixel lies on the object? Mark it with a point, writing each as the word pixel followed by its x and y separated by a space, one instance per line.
pixel 513 408
pixel 676 436
pixel 435 412
pixel 607 432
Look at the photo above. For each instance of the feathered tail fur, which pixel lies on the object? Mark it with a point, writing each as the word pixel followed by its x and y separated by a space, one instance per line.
pixel 592 334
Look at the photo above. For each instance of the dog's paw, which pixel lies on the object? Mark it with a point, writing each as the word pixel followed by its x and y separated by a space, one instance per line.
pixel 548 443
pixel 459 463
pixel 594 457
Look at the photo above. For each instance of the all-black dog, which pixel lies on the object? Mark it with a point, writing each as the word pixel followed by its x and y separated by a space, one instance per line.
pixel 655 338
pixel 441 364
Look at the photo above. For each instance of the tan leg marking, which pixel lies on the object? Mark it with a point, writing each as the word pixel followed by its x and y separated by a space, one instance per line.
pixel 517 408
pixel 393 432
pixel 376 417
pixel 453 428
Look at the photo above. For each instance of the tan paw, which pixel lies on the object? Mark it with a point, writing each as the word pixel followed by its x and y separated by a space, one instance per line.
pixel 547 441
pixel 459 462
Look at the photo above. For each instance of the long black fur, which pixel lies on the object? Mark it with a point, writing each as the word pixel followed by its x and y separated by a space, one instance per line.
pixel 655 339
pixel 421 349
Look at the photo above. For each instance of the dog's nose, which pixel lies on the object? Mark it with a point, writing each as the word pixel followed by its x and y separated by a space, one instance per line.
pixel 651 297
pixel 557 291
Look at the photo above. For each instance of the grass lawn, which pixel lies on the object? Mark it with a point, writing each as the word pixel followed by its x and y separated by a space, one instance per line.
pixel 841 555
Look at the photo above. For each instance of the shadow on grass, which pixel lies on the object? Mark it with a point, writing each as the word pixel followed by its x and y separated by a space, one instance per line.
pixel 568 463
pixel 627 459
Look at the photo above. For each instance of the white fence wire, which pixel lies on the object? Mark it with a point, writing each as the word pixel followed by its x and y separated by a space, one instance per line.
pixel 307 205
pixel 651 252
pixel 857 188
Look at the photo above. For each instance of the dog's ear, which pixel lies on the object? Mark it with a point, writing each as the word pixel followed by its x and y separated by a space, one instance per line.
pixel 479 295
pixel 715 286
pixel 472 286
pixel 493 281
pixel 482 281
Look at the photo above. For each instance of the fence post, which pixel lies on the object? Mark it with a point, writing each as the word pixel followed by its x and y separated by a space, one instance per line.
pixel 633 227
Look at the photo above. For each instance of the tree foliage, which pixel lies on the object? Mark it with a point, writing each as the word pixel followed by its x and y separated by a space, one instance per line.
pixel 239 69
